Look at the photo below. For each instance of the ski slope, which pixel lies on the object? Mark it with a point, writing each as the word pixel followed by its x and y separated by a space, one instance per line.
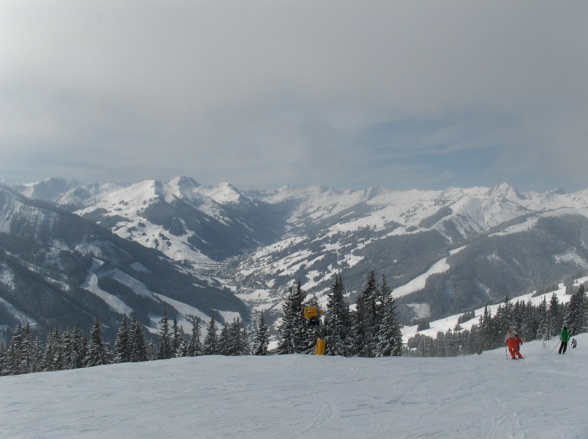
pixel 295 396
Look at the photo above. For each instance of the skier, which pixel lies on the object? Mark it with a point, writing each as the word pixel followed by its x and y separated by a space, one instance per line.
pixel 513 345
pixel 564 337
pixel 574 343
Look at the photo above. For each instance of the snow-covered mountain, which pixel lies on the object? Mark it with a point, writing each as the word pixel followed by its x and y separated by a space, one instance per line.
pixel 441 251
pixel 58 269
pixel 450 249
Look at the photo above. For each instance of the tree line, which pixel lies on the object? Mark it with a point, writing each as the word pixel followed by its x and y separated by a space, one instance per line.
pixel 370 329
pixel 532 322
pixel 73 349
pixel 367 328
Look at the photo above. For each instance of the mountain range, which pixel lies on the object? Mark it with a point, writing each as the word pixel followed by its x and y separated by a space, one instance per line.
pixel 214 251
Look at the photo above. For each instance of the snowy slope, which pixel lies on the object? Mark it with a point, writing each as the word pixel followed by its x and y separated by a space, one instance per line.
pixel 483 396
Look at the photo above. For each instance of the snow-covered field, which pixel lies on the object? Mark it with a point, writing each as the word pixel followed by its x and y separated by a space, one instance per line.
pixel 294 396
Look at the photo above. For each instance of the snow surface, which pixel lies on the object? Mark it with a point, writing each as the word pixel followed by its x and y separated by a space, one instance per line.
pixel 296 396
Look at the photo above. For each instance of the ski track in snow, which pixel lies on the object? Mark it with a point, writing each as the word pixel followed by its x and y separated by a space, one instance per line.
pixel 290 397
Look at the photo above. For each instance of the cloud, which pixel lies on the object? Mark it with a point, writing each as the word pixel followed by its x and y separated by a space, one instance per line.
pixel 267 93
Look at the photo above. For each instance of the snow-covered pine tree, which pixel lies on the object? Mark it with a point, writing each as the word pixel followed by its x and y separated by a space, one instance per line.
pixel 238 340
pixel 166 347
pixel 526 319
pixel 98 352
pixel 576 319
pixel 292 329
pixel 3 353
pixel 139 351
pixel 223 345
pixel 369 315
pixel 556 316
pixel 389 331
pixel 122 344
pixel 210 346
pixel 152 351
pixel 26 351
pixel 37 353
pixel 184 343
pixel 53 359
pixel 261 339
pixel 195 345
pixel 74 348
pixel 177 337
pixel 543 331
pixel 246 341
pixel 364 319
pixel 487 330
pixel 503 320
pixel 337 320
pixel 358 346
pixel 15 361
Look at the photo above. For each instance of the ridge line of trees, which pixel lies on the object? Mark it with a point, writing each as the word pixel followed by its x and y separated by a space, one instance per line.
pixel 532 322
pixel 73 349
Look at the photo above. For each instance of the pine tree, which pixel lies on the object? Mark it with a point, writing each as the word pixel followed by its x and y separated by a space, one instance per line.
pixel 74 344
pixel 139 351
pixel 166 346
pixel 98 352
pixel 390 332
pixel 53 359
pixel 122 345
pixel 487 330
pixel 292 330
pixel 210 346
pixel 543 331
pixel 576 320
pixel 184 341
pixel 365 319
pixel 195 345
pixel 223 345
pixel 358 346
pixel 337 320
pixel 152 351
pixel 37 353
pixel 504 320
pixel 177 337
pixel 556 316
pixel 369 313
pixel 238 344
pixel 245 342
pixel 18 359
pixel 261 340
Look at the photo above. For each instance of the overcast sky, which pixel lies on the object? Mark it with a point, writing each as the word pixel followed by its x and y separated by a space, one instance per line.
pixel 350 94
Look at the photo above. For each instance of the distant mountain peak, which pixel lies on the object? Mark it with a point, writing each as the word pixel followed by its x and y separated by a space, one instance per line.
pixel 222 193
pixel 184 183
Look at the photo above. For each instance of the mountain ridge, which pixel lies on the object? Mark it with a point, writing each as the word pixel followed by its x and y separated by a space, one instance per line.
pixel 451 249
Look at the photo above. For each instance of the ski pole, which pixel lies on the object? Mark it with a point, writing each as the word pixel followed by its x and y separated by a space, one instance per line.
pixel 554 347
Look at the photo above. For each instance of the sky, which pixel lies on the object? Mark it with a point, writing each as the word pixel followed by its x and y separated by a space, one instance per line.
pixel 542 396
pixel 263 93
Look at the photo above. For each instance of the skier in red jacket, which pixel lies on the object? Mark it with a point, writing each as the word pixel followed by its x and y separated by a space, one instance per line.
pixel 512 341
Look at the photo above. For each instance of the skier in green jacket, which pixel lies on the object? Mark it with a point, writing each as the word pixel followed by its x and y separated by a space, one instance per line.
pixel 564 337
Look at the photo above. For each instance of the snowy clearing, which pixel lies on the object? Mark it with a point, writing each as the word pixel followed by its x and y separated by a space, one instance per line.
pixel 295 396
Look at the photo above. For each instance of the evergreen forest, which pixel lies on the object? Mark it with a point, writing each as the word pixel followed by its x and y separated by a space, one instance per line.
pixel 368 328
